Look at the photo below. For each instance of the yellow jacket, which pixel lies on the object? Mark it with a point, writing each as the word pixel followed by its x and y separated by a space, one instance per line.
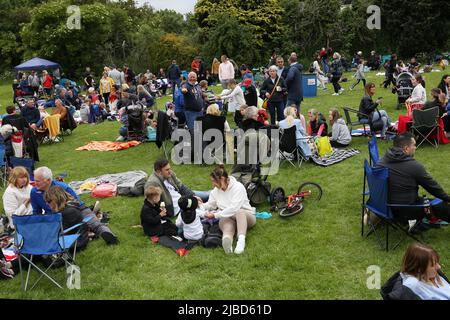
pixel 111 83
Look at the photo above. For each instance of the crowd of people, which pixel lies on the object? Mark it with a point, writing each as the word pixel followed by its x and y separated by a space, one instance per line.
pixel 170 207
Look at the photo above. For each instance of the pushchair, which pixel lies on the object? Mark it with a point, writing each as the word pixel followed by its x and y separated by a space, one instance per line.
pixel 403 88
pixel 136 123
pixel 257 187
pixel 250 175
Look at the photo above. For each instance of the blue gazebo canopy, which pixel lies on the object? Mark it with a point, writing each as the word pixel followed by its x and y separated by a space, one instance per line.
pixel 37 64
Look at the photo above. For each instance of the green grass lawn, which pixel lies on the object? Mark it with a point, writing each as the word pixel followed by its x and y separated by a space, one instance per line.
pixel 317 255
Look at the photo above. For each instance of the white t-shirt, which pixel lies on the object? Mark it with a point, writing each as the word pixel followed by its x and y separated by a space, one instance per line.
pixel 193 230
pixel 175 195
pixel 419 95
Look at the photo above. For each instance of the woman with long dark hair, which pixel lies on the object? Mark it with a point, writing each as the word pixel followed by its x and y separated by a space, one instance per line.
pixel 228 202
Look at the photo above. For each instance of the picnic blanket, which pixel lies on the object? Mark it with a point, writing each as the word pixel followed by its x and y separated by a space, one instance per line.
pixel 107 145
pixel 338 155
pixel 130 183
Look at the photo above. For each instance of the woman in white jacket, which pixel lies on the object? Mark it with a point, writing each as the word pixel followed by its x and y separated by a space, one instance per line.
pixel 16 199
pixel 418 95
pixel 235 96
pixel 229 203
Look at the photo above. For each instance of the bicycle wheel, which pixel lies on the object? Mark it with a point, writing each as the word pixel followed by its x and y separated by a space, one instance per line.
pixel 312 191
pixel 291 211
pixel 277 197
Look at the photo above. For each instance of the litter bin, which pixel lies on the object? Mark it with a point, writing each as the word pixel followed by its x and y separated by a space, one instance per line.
pixel 309 85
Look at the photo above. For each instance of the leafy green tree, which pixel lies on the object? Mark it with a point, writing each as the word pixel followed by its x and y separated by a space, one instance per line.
pixel 263 17
pixel 235 40
pixel 414 27
pixel 98 41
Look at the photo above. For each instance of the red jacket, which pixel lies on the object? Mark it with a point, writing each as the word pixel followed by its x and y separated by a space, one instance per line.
pixel 47 81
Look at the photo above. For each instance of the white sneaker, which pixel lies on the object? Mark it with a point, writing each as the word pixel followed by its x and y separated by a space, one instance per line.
pixel 335 94
pixel 341 89
pixel 120 138
pixel 227 244
pixel 240 245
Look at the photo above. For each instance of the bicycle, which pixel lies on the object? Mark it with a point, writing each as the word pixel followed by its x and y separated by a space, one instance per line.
pixel 291 205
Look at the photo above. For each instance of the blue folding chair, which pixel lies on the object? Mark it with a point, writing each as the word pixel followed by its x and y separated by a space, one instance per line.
pixel 373 151
pixel 28 163
pixel 44 235
pixel 3 167
pixel 378 203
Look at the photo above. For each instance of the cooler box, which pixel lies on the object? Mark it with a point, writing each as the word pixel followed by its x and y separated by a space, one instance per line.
pixel 309 85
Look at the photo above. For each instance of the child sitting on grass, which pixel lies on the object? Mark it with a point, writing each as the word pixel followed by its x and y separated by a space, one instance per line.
pixel 189 219
pixel 154 218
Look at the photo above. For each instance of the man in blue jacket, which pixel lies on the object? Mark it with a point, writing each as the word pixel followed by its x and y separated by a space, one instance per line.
pixel 31 114
pixel 43 178
pixel 193 100
pixel 294 83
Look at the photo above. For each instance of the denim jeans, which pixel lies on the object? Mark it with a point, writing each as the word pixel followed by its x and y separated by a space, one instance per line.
pixel 384 118
pixel 190 118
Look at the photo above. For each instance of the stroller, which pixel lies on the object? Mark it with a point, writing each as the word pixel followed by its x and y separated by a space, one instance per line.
pixel 257 187
pixel 136 123
pixel 403 88
pixel 256 184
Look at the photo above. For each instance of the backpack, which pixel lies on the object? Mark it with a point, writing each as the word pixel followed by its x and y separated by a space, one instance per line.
pixel 212 237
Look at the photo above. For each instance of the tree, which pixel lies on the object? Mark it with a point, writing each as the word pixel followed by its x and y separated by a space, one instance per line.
pixel 411 28
pixel 311 24
pixel 263 17
pixel 99 38
pixel 170 21
pixel 233 39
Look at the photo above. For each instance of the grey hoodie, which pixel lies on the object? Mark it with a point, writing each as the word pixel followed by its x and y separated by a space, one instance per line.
pixel 340 132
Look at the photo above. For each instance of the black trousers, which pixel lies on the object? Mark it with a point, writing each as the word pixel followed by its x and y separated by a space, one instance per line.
pixel 441 211
pixel 336 144
pixel 335 83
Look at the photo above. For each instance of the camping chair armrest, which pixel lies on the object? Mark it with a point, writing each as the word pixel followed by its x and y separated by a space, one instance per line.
pixel 85 220
pixel 419 205
pixel 73 227
pixel 356 111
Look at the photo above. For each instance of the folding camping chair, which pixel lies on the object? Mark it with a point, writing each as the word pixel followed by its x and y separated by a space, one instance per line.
pixel 3 166
pixel 163 133
pixel 373 151
pixel 288 149
pixel 378 203
pixel 28 163
pixel 51 131
pixel 44 235
pixel 350 123
pixel 425 123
